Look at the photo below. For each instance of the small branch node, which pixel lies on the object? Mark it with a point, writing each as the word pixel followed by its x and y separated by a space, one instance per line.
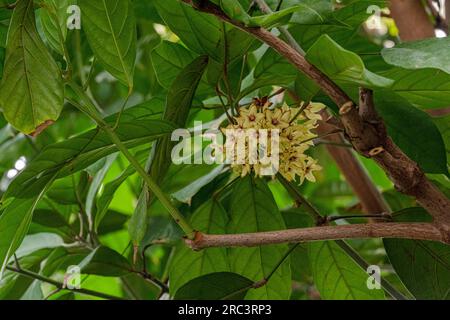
pixel 376 151
pixel 194 244
pixel 346 108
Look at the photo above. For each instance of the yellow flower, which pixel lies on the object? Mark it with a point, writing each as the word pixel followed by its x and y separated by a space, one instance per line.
pixel 250 118
pixel 295 139
pixel 312 111
pixel 276 119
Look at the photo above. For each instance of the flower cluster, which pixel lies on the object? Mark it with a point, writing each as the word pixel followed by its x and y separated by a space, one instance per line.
pixel 295 138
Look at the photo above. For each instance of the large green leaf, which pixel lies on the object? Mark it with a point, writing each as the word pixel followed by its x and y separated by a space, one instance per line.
pixel 337 276
pixel 178 105
pixel 109 190
pixel 443 124
pixel 429 53
pixel 300 266
pixel 79 152
pixel 16 218
pixel 54 22
pixel 423 88
pixel 203 33
pixel 423 266
pixel 168 60
pixel 110 27
pixel 343 66
pixel 413 131
pixel 187 264
pixel 106 262
pixel 253 209
pixel 31 90
pixel 215 286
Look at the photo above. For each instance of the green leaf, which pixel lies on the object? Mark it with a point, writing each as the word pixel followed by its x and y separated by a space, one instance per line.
pixel 300 264
pixel 413 131
pixel 235 11
pixel 137 227
pixel 343 66
pixel 104 261
pixel 203 33
pixel 108 193
pixel 314 12
pixel 200 32
pixel 273 65
pixel 178 105
pixel 215 286
pixel 31 90
pixel 187 264
pixel 443 124
pixel 305 88
pixel 110 27
pixel 423 266
pixel 97 180
pixel 423 88
pixel 54 22
pixel 429 53
pixel 13 285
pixel 186 193
pixel 16 218
pixel 279 17
pixel 79 152
pixel 337 276
pixel 36 242
pixel 168 60
pixel 253 209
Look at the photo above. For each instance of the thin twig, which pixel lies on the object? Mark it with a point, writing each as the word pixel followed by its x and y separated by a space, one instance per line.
pixel 60 285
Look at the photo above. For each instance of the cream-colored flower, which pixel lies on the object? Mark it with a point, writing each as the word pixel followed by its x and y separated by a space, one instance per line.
pixel 312 111
pixel 251 118
pixel 296 137
pixel 276 119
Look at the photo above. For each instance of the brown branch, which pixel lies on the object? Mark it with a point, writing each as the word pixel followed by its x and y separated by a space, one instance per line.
pixel 411 19
pixel 420 231
pixel 369 138
pixel 371 199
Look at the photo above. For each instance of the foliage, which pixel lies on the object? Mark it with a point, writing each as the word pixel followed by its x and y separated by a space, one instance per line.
pixel 86 175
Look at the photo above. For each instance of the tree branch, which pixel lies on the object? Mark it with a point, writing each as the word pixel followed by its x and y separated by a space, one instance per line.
pixel 419 231
pixel 369 139
pixel 406 12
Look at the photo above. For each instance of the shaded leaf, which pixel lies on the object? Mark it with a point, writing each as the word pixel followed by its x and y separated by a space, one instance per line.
pixel 423 266
pixel 429 53
pixel 413 131
pixel 111 31
pixel 343 66
pixel 31 90
pixel 337 276
pixel 54 22
pixel 253 209
pixel 104 261
pixel 187 264
pixel 215 286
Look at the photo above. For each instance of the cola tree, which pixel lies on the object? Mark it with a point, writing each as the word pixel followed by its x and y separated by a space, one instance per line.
pixel 222 149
